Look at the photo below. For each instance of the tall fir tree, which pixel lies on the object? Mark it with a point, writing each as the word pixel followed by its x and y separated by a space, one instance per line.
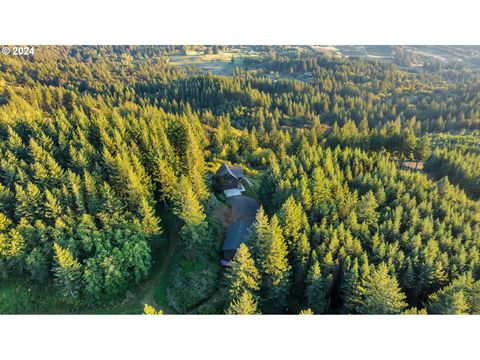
pixel 315 292
pixel 67 273
pixel 379 293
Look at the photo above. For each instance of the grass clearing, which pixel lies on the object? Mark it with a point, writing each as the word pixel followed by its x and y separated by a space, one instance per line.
pixel 19 296
pixel 218 64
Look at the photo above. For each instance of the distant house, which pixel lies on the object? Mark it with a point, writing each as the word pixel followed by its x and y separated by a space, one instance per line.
pixel 228 179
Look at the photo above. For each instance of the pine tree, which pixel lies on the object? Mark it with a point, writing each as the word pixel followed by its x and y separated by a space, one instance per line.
pixel 305 194
pixel 5 222
pixel 457 304
pixel 462 296
pixel 245 304
pixel 364 128
pixel 150 223
pixel 350 282
pixel 166 178
pixel 29 202
pixel 379 293
pixel 366 209
pixel 150 310
pixel 67 272
pixel 415 311
pixel 422 151
pixel 52 206
pixel 243 275
pixel 12 245
pixel 306 312
pixel 274 268
pixel 91 190
pixel 186 204
pixel 295 227
pixel 315 293
pixel 258 233
pixel 112 209
pixel 194 232
pixel 409 143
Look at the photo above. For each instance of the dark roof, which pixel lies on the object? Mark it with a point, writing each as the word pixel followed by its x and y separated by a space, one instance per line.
pixel 236 234
pixel 223 170
pixel 235 171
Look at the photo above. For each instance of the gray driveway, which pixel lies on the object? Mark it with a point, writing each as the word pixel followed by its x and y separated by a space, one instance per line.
pixel 243 207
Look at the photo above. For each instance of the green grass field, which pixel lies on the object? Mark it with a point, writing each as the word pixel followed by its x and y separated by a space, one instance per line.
pixel 219 64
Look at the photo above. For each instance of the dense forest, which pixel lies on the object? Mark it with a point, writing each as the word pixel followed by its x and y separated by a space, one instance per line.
pixel 107 198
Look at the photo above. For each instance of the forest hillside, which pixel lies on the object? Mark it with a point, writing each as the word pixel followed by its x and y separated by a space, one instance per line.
pixel 367 173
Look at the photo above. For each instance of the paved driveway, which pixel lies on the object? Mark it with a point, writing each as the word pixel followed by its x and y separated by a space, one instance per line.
pixel 243 207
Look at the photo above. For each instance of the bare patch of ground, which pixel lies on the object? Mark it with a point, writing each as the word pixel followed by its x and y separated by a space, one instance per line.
pixel 224 214
pixel 413 165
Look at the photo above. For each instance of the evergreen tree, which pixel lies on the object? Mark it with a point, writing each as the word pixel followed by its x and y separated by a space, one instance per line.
pixel 462 296
pixel 52 206
pixel 150 310
pixel 295 225
pixel 243 275
pixel 379 293
pixel 274 268
pixel 150 223
pixel 258 234
pixel 315 294
pixel 194 232
pixel 67 272
pixel 366 209
pixel 245 304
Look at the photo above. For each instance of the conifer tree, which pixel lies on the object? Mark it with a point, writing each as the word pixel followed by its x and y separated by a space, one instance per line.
pixel 274 267
pixel 295 227
pixel 350 282
pixel 5 222
pixel 415 311
pixel 245 304
pixel 67 272
pixel 315 293
pixel 194 232
pixel 29 202
pixel 306 312
pixel 150 223
pixel 462 296
pixel 258 233
pixel 52 206
pixel 366 209
pixel 379 293
pixel 150 310
pixel 187 206
pixel 243 275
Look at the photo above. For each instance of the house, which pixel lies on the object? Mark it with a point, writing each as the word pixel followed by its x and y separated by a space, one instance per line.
pixel 244 209
pixel 228 179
